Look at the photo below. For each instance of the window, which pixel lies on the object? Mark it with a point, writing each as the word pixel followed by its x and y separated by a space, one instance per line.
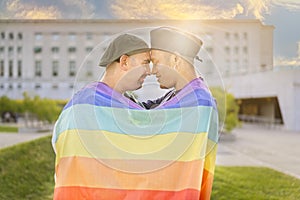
pixel 89 36
pixel 209 50
pixel 55 36
pixel 19 86
pixel 227 50
pixel 245 50
pixel 19 49
pixel 236 36
pixel 207 37
pixel 1 50
pixel 72 49
pixel 72 36
pixel 236 50
pixel 3 35
pixel 10 51
pixel 10 68
pixel 55 86
pixel 89 69
pixel 37 86
pixel 227 66
pixel 19 68
pixel 55 50
pixel 38 68
pixel 2 68
pixel 72 68
pixel 236 65
pixel 11 36
pixel 20 36
pixel 227 35
pixel 245 36
pixel 263 66
pixel 38 36
pixel 245 64
pixel 88 49
pixel 37 50
pixel 55 68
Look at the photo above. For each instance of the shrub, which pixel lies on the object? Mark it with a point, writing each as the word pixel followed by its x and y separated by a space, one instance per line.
pixel 227 107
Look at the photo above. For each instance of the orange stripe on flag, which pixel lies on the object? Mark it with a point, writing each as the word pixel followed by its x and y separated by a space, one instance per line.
pixel 206 188
pixel 81 171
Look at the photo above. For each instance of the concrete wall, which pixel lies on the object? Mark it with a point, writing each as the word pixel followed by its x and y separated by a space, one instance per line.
pixel 281 84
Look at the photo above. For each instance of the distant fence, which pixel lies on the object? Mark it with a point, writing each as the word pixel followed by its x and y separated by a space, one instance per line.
pixel 30 123
pixel 261 120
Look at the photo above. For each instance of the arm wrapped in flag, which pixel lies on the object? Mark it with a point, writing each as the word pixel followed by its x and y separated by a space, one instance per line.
pixel 107 147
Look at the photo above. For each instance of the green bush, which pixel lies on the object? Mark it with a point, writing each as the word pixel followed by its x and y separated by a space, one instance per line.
pixel 11 105
pixel 46 110
pixel 227 107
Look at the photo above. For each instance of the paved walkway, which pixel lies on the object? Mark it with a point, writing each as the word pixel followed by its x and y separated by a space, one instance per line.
pixel 9 139
pixel 248 146
pixel 257 146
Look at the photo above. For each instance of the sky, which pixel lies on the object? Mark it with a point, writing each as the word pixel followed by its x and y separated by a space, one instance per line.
pixel 283 14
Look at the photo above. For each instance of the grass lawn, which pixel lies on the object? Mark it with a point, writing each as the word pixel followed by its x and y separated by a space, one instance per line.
pixel 26 172
pixel 9 129
pixel 254 183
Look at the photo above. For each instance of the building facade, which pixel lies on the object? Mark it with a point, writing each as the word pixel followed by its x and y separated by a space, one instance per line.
pixel 53 58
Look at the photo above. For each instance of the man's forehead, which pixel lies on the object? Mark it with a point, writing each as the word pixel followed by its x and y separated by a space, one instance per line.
pixel 159 52
pixel 144 54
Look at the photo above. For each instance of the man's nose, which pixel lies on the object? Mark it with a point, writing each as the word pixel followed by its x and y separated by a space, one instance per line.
pixel 148 69
pixel 154 69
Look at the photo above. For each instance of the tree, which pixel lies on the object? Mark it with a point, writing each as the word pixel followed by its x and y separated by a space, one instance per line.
pixel 44 109
pixel 227 108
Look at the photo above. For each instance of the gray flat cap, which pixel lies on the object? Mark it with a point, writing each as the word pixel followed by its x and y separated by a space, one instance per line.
pixel 177 42
pixel 123 44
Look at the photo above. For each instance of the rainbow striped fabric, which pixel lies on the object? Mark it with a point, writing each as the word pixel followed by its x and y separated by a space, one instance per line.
pixel 108 147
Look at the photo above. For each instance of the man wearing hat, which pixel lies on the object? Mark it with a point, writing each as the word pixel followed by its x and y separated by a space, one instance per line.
pixel 172 53
pixel 127 61
pixel 96 109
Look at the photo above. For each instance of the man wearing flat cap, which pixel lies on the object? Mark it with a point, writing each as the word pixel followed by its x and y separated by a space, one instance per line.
pixel 127 61
pixel 92 113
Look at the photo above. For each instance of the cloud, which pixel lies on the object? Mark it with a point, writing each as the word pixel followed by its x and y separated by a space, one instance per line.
pixel 258 7
pixel 288 62
pixel 142 9
pixel 86 9
pixel 292 5
pixel 18 10
pixel 21 9
pixel 201 9
pixel 172 9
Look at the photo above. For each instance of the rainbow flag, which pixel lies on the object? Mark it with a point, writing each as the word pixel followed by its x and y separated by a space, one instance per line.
pixel 108 147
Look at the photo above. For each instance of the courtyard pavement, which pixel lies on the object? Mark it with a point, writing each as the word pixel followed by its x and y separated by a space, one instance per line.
pixel 260 146
pixel 10 139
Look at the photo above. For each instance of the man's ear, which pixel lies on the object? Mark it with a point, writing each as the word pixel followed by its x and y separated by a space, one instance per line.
pixel 124 62
pixel 175 59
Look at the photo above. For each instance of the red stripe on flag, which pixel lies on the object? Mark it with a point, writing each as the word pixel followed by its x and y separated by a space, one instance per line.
pixel 79 193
